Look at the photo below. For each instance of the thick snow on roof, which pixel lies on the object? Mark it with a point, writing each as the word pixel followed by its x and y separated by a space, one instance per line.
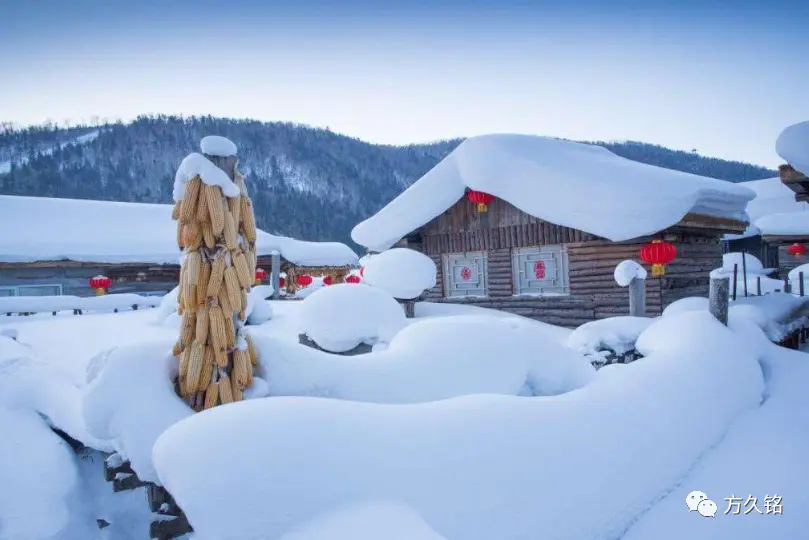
pixel 793 146
pixel 785 224
pixel 581 186
pixel 47 229
pixel 772 197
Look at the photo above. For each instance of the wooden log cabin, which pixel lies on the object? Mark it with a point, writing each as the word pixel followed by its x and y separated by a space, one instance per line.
pixel 54 246
pixel 559 216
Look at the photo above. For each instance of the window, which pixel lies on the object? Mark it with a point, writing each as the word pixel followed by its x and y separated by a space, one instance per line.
pixel 7 291
pixel 39 290
pixel 465 274
pixel 540 270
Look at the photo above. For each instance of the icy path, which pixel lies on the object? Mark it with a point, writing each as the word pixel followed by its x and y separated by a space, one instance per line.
pixel 766 452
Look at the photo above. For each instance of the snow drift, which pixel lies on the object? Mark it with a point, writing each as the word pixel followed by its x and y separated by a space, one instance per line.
pixel 474 467
pixel 403 273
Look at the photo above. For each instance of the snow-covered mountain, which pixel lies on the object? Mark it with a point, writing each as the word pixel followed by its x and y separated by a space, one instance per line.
pixel 307 182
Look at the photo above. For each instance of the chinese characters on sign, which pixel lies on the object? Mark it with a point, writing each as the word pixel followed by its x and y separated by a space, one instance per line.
pixel 698 501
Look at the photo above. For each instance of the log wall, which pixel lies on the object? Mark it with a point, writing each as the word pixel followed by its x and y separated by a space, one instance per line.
pixel 591 262
pixel 787 262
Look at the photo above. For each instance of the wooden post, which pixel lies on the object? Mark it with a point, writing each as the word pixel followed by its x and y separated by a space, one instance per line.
pixel 637 297
pixel 800 285
pixel 276 275
pixel 735 279
pixel 758 285
pixel 744 272
pixel 718 299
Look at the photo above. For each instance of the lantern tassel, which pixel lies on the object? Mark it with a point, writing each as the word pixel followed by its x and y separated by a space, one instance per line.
pixel 99 291
pixel 483 207
pixel 658 270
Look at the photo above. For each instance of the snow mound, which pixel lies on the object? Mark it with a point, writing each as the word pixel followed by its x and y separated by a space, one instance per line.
pixel 38 472
pixel 693 303
pixel 168 305
pixel 342 316
pixel 259 309
pixel 476 467
pixel 743 261
pixel 626 271
pixel 131 400
pixel 216 145
pixel 366 521
pixel 616 334
pixel 794 277
pixel 107 302
pixel 428 360
pixel 403 273
pixel 793 146
pixel 544 178
pixel 198 165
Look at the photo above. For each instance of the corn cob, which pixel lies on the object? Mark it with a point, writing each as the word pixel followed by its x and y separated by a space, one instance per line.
pixel 192 265
pixel 230 331
pixel 251 349
pixel 242 269
pixel 208 364
pixel 225 390
pixel 217 274
pixel 194 367
pixel 230 233
pixel 192 236
pixel 180 242
pixel 235 209
pixel 213 196
pixel 175 212
pixel 202 282
pixel 252 261
pixel 198 401
pixel 188 209
pixel 242 373
pixel 188 327
pixel 211 396
pixel 227 309
pixel 248 222
pixel 190 296
pixel 207 235
pixel 178 348
pixel 201 332
pixel 203 214
pixel 238 392
pixel 233 289
pixel 217 331
pixel 182 374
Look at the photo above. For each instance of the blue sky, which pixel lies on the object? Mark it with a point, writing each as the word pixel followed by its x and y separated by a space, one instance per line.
pixel 687 74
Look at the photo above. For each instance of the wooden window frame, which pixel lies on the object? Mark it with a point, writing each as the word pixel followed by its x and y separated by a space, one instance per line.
pixel 562 271
pixel 447 273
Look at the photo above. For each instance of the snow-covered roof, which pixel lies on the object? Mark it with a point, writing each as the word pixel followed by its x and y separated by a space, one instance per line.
pixel 784 224
pixel 793 146
pixel 47 229
pixel 576 185
pixel 772 198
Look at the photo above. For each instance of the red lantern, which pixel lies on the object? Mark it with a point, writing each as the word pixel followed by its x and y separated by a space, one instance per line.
pixel 281 282
pixel 327 280
pixel 353 278
pixel 658 253
pixel 100 284
pixel 480 198
pixel 261 275
pixel 797 250
pixel 304 280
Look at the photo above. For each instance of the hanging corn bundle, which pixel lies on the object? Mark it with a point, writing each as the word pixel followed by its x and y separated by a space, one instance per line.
pixel 216 231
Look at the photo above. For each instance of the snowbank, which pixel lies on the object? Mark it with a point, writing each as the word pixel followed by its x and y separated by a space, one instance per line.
pixel 794 278
pixel 628 270
pixel 615 334
pixel 130 400
pixel 342 316
pixel 793 146
pixel 545 177
pixel 198 165
pixel 787 224
pixel 169 304
pixel 37 473
pixel 475 467
pixel 107 302
pixel 429 360
pixel 366 521
pixel 403 273
pixel 259 309
pixel 216 145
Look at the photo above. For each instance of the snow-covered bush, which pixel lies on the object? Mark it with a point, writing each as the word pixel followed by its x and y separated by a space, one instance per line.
pixel 428 360
pixel 614 336
pixel 403 273
pixel 342 316
pixel 476 467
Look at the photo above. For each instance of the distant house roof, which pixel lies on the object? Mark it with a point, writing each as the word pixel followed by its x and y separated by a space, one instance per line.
pixel 771 210
pixel 575 185
pixel 47 229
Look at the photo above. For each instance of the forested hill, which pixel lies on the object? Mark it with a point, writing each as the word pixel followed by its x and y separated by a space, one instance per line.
pixel 306 182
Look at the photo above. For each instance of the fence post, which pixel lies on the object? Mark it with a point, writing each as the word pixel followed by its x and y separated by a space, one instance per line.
pixel 758 285
pixel 276 274
pixel 744 273
pixel 637 297
pixel 800 285
pixel 735 279
pixel 718 299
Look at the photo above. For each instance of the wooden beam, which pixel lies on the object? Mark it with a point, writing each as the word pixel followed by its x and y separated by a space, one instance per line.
pixel 785 239
pixel 701 221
